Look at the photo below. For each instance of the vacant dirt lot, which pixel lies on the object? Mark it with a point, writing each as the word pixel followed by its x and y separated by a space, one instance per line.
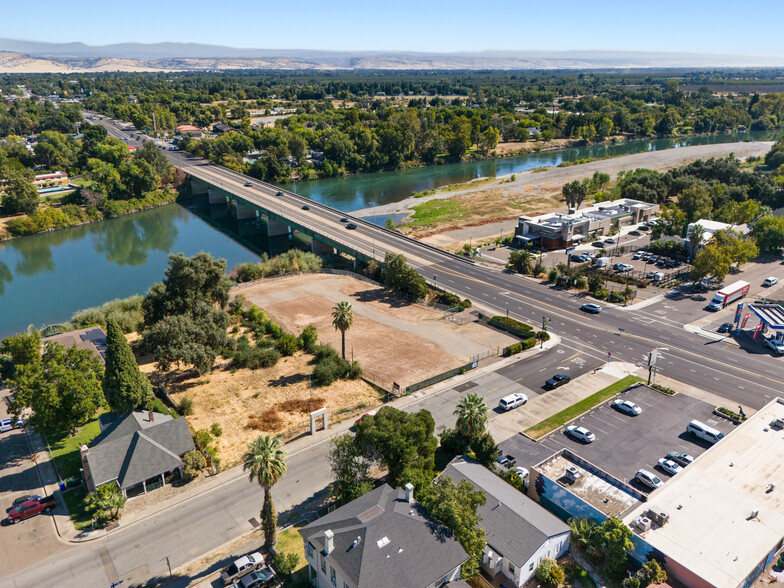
pixel 397 341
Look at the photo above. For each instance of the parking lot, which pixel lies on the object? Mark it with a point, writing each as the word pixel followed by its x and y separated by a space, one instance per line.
pixel 625 444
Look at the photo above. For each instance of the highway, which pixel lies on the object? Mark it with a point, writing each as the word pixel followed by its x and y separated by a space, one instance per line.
pixel 628 335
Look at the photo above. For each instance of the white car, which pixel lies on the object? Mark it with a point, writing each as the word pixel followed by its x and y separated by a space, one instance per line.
pixel 522 472
pixel 512 401
pixel 669 466
pixel 679 457
pixel 241 567
pixel 777 345
pixel 770 281
pixel 580 434
pixel 626 407
pixel 648 479
pixel 6 425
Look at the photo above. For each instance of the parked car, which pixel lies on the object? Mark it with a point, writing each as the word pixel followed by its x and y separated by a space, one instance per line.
pixel 635 233
pixel 522 472
pixel 6 425
pixel 725 327
pixel 248 185
pixel 241 567
pixel 777 345
pixel 679 457
pixel 557 380
pixel 770 281
pixel 591 307
pixel 625 267
pixel 648 479
pixel 638 255
pixel 30 508
pixel 22 499
pixel 699 288
pixel 610 240
pixel 644 228
pixel 506 460
pixel 626 407
pixel 580 434
pixel 669 466
pixel 598 244
pixel 258 578
pixel 351 226
pixel 512 401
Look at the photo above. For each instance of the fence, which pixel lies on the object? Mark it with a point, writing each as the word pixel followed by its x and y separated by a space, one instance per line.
pixel 496 352
pixel 379 381
pixel 439 377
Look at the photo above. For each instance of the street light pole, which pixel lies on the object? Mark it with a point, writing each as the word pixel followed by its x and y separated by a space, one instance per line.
pixel 544 330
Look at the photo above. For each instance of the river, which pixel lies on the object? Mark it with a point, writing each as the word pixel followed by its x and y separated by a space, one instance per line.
pixel 45 278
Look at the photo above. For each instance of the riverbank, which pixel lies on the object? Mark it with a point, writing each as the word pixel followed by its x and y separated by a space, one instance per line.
pixel 484 203
pixel 63 216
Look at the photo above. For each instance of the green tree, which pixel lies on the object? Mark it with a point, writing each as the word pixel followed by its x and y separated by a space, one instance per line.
pixel 138 177
pixel 485 449
pixel 652 573
pixel 738 248
pixel 471 415
pixel 105 503
pixel 398 441
pixel 63 389
pixel 695 238
pixel 20 196
pixel 349 468
pixel 193 464
pixel 489 139
pixel 521 261
pixel 125 387
pixel 769 233
pixel 574 193
pixel 671 221
pixel 265 463
pixel 398 275
pixel 712 261
pixel 581 531
pixel 696 202
pixel 23 349
pixel 455 506
pixel 550 573
pixel 342 320
pixel 612 539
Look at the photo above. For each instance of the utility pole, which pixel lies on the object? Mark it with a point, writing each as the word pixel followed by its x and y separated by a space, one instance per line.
pixel 544 330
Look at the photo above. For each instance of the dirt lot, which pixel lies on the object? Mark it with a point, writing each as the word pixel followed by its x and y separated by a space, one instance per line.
pixel 397 341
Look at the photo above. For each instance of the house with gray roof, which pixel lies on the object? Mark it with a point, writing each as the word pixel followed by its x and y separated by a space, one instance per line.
pixel 91 338
pixel 384 538
pixel 139 451
pixel 519 532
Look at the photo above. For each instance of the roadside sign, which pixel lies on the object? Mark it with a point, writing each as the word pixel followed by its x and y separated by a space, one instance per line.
pixel 757 330
pixel 745 318
pixel 737 312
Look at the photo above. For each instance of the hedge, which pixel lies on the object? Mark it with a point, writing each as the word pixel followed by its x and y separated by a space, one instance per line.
pixel 511 325
pixel 663 389
pixel 516 348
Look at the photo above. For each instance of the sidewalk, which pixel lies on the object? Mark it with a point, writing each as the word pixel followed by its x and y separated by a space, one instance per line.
pixel 545 405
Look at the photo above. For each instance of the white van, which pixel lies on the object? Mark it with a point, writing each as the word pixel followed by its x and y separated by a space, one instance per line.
pixel 512 401
pixel 704 432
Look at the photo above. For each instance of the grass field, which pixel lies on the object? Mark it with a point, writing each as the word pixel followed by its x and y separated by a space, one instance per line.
pixel 73 500
pixel 290 541
pixel 558 419
pixel 65 451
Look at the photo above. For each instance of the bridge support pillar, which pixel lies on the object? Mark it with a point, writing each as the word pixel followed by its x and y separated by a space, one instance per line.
pixel 277 228
pixel 245 212
pixel 321 248
pixel 197 187
pixel 216 197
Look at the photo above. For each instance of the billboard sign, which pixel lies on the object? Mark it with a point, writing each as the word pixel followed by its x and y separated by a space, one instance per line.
pixel 737 312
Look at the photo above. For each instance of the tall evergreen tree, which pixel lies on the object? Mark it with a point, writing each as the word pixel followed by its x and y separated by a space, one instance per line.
pixel 125 387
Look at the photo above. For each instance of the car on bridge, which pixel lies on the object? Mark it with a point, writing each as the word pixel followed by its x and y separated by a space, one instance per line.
pixel 344 219
pixel 278 193
pixel 591 307
pixel 306 207
pixel 248 185
pixel 557 380
pixel 580 434
pixel 351 226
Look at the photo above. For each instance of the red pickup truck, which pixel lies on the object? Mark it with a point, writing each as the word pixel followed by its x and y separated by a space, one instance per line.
pixel 31 508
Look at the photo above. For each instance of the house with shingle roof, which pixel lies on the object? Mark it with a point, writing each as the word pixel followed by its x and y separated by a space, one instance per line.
pixel 384 538
pixel 519 532
pixel 139 451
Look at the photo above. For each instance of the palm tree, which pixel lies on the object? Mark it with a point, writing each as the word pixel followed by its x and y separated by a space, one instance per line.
pixel 266 462
pixel 342 319
pixel 695 238
pixel 471 414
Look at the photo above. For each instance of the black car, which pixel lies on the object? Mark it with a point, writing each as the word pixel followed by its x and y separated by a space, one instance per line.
pixel 279 193
pixel 644 228
pixel 248 185
pixel 599 244
pixel 557 380
pixel 635 233
pixel 22 500
pixel 699 288
pixel 351 226
pixel 306 207
pixel 725 327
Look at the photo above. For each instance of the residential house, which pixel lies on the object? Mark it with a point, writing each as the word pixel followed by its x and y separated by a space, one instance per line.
pixel 92 338
pixel 383 538
pixel 139 451
pixel 222 128
pixel 519 532
pixel 45 182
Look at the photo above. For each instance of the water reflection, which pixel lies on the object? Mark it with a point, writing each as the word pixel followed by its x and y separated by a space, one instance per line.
pixel 5 276
pixel 129 239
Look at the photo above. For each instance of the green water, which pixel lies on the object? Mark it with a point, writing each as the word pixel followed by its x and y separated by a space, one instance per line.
pixel 45 278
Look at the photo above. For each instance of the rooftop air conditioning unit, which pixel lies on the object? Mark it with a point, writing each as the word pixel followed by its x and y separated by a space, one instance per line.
pixel 658 517
pixel 572 473
pixel 643 523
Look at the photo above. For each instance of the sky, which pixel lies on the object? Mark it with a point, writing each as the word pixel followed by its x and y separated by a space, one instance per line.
pixel 717 26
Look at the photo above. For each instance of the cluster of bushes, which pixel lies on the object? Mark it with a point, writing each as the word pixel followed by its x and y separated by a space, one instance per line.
pixel 663 389
pixel 113 208
pixel 516 348
pixel 730 414
pixel 670 248
pixel 126 311
pixel 291 261
pixel 453 300
pixel 511 325
pixel 48 219
pixel 331 367
pixel 262 355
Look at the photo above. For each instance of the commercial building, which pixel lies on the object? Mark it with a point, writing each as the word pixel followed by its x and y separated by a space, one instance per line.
pixel 189 130
pixel 720 522
pixel 383 538
pixel 710 227
pixel 519 532
pixel 557 230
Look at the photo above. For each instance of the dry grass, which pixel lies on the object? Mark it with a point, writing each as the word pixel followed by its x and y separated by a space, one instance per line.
pixel 301 405
pixel 268 421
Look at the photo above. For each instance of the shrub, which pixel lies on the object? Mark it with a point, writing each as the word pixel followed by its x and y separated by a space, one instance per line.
pixel 247 272
pixel 453 443
pixel 513 349
pixel 582 283
pixel 663 389
pixel 126 311
pixel 538 269
pixel 615 297
pixel 552 275
pixel 308 338
pixel 285 563
pixel 730 414
pixel 193 463
pixel 273 329
pixel 543 335
pixel 601 293
pixel 324 351
pixel 326 372
pixel 185 406
pixel 529 343
pixel 464 304
pixel 216 430
pixel 157 405
pixel 354 371
pixel 287 344
pixel 511 325
pixel 254 357
pixel 550 573
pixel 448 299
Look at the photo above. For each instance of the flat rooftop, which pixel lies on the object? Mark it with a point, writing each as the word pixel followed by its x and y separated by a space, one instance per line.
pixel 711 530
pixel 608 498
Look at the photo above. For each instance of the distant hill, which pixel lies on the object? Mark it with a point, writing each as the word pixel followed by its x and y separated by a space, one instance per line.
pixel 34 56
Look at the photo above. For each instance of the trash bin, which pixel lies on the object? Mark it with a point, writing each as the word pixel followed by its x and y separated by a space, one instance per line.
pixel 62 486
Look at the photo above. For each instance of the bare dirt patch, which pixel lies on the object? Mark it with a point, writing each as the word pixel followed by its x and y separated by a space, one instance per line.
pixel 391 338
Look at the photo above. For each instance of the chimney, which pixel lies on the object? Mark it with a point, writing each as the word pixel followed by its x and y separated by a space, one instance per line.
pixel 83 450
pixel 329 543
pixel 149 416
pixel 409 492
